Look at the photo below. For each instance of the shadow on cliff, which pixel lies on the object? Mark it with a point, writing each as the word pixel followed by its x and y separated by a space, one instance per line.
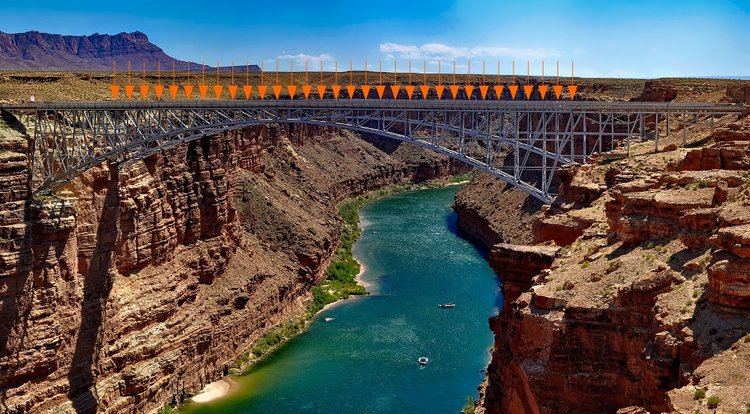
pixel 716 328
pixel 452 223
pixel 98 281
pixel 718 323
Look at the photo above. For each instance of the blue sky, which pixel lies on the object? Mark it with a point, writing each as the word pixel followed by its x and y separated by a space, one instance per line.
pixel 635 38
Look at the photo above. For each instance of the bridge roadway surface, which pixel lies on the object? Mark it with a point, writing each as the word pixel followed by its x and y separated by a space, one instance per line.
pixel 71 137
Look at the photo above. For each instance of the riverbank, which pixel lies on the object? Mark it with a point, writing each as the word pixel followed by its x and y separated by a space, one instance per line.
pixel 343 278
pixel 369 346
pixel 213 391
pixel 343 275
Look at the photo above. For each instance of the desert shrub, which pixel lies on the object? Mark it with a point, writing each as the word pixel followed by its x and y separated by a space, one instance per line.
pixel 613 265
pixel 469 405
pixel 699 394
pixel 713 401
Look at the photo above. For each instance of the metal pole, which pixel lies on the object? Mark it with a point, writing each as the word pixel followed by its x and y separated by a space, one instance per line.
pixel 572 124
pixel 627 137
pixel 684 129
pixel 544 156
pixel 612 131
pixel 641 125
pixel 490 144
pixel 516 156
pixel 599 144
pixel 558 148
pixel 656 141
pixel 461 144
pixel 585 137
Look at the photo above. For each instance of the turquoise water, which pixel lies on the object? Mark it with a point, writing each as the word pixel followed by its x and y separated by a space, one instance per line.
pixel 365 359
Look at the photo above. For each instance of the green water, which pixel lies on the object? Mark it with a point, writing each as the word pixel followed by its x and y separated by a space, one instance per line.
pixel 365 360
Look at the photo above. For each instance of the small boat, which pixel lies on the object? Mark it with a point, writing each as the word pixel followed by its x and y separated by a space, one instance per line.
pixel 328 319
pixel 447 305
pixel 423 360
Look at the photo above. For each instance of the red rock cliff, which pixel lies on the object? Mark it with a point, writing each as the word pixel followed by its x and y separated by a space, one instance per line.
pixel 648 299
pixel 135 287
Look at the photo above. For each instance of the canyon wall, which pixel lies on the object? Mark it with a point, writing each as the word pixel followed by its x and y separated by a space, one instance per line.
pixel 635 293
pixel 493 212
pixel 134 287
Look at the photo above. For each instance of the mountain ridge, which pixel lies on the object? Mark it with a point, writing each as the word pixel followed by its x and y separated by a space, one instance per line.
pixel 35 50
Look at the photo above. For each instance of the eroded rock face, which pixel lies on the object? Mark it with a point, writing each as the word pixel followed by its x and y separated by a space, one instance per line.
pixel 136 287
pixel 493 213
pixel 739 93
pixel 556 357
pixel 518 264
pixel 652 208
pixel 729 157
pixel 563 229
pixel 633 320
pixel 729 281
pixel 658 91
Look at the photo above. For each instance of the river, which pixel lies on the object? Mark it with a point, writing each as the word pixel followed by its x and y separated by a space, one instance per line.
pixel 364 360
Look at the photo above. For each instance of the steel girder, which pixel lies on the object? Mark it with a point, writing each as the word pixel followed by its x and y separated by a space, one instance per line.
pixel 533 139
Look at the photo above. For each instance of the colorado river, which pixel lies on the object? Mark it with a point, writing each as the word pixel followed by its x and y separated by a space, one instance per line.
pixel 364 360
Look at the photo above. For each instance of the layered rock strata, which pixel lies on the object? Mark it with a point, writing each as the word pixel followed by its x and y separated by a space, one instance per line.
pixel 647 299
pixel 134 287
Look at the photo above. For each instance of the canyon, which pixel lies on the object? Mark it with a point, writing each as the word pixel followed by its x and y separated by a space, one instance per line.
pixel 134 287
pixel 629 293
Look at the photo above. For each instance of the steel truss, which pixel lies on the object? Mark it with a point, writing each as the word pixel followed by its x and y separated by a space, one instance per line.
pixel 522 143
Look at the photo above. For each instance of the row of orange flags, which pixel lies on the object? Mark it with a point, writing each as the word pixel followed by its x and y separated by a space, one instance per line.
pixel 380 91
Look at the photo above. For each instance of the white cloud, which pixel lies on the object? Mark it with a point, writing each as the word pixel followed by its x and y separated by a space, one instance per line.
pixel 438 51
pixel 303 57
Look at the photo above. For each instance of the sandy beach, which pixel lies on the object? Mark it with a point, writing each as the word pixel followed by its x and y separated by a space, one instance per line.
pixel 359 279
pixel 457 183
pixel 212 391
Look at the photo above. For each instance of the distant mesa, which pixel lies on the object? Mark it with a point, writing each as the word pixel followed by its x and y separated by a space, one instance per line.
pixel 97 52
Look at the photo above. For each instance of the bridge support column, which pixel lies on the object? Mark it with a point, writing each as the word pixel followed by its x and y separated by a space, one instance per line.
pixel 658 132
pixel 684 129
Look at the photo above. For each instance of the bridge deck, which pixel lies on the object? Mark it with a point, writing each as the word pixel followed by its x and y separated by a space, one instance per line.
pixel 374 104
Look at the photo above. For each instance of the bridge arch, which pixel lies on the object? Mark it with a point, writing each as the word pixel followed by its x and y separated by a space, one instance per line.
pixel 187 136
pixel 151 141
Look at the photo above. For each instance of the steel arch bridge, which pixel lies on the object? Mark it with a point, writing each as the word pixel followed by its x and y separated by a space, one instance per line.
pixel 537 136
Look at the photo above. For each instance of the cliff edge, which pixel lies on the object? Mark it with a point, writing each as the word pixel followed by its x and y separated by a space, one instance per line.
pixel 633 294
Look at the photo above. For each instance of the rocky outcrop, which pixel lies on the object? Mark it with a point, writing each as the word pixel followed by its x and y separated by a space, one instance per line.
pixel 135 287
pixel 720 157
pixel 568 217
pixel 518 264
pixel 492 212
pixel 652 208
pixel 736 158
pixel 703 209
pixel 647 299
pixel 562 228
pixel 562 358
pixel 739 94
pixel 657 91
pixel 729 281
